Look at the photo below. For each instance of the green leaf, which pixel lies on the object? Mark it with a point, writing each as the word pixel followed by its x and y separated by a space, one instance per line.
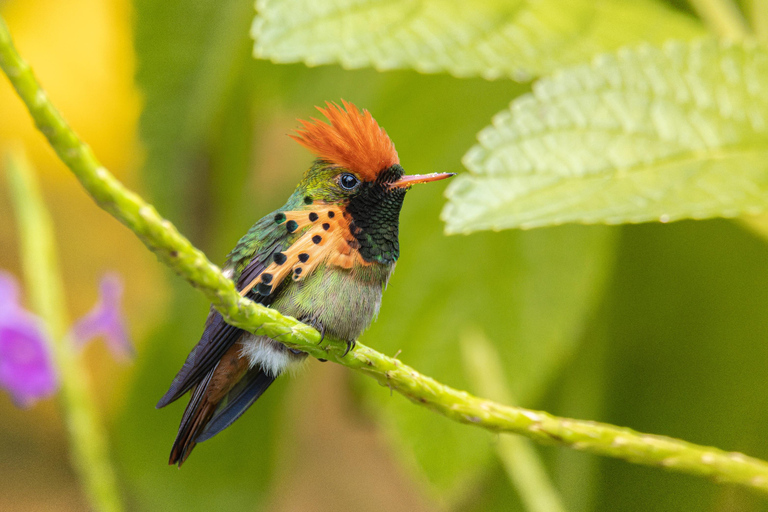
pixel 488 38
pixel 685 320
pixel 530 292
pixel 233 471
pixel 191 57
pixel 444 285
pixel 643 134
pixel 188 55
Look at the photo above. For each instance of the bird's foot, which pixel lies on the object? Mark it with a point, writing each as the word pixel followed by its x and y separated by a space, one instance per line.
pixel 321 329
pixel 350 346
pixel 316 324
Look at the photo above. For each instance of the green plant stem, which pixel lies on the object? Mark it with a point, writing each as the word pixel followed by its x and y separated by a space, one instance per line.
pixel 172 248
pixel 44 286
pixel 723 17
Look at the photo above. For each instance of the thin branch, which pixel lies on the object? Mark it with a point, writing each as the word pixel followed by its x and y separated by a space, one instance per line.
pixel 758 14
pixel 88 438
pixel 524 467
pixel 723 17
pixel 172 248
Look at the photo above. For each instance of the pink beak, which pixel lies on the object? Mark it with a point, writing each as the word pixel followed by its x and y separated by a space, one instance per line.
pixel 407 181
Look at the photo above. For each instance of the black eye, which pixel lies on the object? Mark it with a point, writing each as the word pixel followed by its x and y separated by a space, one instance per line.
pixel 348 181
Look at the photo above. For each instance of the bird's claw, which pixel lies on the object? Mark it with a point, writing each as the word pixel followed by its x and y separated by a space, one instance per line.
pixel 322 333
pixel 314 322
pixel 350 346
pixel 319 327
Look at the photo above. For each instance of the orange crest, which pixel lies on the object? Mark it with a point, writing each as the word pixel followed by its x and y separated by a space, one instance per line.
pixel 352 140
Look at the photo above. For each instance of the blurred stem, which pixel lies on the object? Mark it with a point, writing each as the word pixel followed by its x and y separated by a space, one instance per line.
pixel 521 461
pixel 723 17
pixel 173 249
pixel 44 286
pixel 725 20
pixel 758 15
pixel 757 224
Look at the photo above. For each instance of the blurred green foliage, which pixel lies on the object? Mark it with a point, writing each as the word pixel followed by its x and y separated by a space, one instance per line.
pixel 657 327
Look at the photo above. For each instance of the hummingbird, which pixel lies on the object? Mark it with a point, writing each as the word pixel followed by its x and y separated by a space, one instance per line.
pixel 324 257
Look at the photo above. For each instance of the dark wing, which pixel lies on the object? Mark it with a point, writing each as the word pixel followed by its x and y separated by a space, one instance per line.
pixel 217 338
pixel 253 384
pixel 305 236
pixel 218 335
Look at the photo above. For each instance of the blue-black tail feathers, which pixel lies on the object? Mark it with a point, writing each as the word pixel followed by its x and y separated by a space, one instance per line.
pixel 243 395
pixel 208 413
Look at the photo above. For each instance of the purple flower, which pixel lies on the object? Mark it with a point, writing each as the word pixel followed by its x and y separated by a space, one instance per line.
pixel 105 320
pixel 26 369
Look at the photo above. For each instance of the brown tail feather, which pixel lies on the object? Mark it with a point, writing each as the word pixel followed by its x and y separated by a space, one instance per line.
pixel 185 440
pixel 204 400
